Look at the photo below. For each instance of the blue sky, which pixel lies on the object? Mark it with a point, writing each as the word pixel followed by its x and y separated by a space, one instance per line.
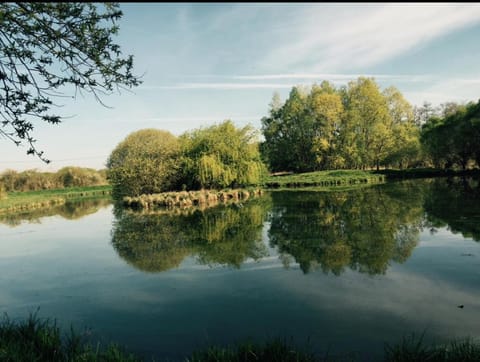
pixel 203 63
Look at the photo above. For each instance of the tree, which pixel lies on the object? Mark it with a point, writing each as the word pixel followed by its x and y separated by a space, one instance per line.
pixel 406 143
pixel 49 49
pixel 326 108
pixel 220 156
pixel 146 162
pixel 367 111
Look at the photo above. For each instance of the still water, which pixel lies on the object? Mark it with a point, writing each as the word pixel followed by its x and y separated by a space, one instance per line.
pixel 339 271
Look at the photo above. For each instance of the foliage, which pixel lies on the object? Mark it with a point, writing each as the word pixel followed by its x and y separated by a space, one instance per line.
pixel 3 191
pixel 220 156
pixel 33 180
pixel 357 127
pixel 456 203
pixel 72 209
pixel 219 235
pixel 413 348
pixel 275 350
pixel 324 178
pixel 361 229
pixel 454 139
pixel 30 200
pixel 52 48
pixel 145 162
pixel 41 340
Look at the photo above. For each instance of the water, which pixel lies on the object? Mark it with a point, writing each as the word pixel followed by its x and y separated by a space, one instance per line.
pixel 342 271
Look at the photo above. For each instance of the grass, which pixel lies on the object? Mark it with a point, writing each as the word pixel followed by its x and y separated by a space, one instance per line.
pixel 28 200
pixel 324 179
pixel 41 340
pixel 37 340
pixel 425 173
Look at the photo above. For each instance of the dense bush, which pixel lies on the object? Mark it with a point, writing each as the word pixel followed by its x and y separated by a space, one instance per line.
pixel 153 161
pixel 33 180
pixel 145 162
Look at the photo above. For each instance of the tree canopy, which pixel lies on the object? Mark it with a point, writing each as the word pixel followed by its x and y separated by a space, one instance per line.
pixel 53 50
pixel 221 156
pixel 356 126
pixel 145 162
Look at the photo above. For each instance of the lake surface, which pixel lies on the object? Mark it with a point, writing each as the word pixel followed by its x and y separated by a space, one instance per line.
pixel 342 271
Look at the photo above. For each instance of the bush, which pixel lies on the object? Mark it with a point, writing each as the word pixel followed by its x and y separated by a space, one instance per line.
pixel 145 162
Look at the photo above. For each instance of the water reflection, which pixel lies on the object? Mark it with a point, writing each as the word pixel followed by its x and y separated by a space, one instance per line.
pixel 71 210
pixel 226 235
pixel 362 229
pixel 454 203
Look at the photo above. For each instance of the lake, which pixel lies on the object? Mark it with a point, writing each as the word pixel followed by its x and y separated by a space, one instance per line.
pixel 340 271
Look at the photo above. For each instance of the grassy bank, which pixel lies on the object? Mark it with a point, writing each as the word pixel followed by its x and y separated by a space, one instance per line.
pixel 425 173
pixel 324 179
pixel 30 200
pixel 41 340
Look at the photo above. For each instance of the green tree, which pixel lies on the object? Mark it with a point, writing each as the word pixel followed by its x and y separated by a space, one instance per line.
pixel 146 162
pixel 49 49
pixel 326 109
pixel 367 111
pixel 288 134
pixel 405 149
pixel 221 156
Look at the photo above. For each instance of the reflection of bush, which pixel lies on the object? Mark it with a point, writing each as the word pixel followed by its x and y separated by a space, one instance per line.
pixel 70 210
pixel 455 203
pixel 361 229
pixel 220 235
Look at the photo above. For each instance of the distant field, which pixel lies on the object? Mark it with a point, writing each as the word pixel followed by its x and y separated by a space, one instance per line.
pixel 324 178
pixel 16 201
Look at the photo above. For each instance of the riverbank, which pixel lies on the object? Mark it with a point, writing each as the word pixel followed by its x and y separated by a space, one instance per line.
pixel 41 340
pixel 186 199
pixel 332 178
pixel 31 200
pixel 412 173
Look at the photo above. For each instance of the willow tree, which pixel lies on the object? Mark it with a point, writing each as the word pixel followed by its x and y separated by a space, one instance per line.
pixel 53 50
pixel 146 162
pixel 220 156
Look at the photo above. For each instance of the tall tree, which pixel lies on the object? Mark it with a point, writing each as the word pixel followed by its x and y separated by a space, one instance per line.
pixel 367 111
pixel 49 49
pixel 405 149
pixel 326 108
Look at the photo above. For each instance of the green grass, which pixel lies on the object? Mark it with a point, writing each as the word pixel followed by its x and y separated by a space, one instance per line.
pixel 41 340
pixel 18 201
pixel 425 173
pixel 324 179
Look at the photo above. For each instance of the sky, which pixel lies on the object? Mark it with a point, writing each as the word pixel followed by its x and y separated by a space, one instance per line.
pixel 204 63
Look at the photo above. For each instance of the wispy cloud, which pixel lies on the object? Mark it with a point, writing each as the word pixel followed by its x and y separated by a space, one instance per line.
pixel 329 39
pixel 454 89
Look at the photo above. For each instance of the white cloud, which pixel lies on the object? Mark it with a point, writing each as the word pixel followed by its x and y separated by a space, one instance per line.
pixel 450 90
pixel 361 36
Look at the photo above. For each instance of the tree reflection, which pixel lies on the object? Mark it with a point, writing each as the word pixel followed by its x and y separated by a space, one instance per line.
pixel 362 229
pixel 226 234
pixel 71 210
pixel 455 203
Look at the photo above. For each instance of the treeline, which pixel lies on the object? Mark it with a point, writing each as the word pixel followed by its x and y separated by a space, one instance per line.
pixel 33 180
pixel 454 138
pixel 359 126
pixel 153 161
